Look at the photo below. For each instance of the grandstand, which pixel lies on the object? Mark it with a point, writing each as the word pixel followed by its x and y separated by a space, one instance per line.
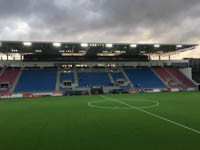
pixel 57 67
pixel 46 80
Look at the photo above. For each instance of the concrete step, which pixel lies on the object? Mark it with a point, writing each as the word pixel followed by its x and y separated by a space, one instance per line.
pixel 174 78
pixel 111 78
pixel 16 82
pixel 58 80
pixel 127 78
pixel 2 71
pixel 196 84
pixel 76 77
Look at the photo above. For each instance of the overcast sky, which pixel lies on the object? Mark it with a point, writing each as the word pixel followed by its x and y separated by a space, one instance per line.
pixel 140 21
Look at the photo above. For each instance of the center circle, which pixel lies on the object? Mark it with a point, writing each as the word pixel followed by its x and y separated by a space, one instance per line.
pixel 136 103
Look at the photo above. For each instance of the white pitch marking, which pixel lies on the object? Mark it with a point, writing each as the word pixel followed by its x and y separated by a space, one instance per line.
pixel 157 116
pixel 91 104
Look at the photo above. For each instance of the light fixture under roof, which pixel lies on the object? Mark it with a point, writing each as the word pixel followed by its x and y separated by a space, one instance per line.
pixel 157 46
pixel 179 46
pixel 142 52
pixel 133 45
pixel 56 44
pixel 109 45
pixel 27 43
pixel 84 44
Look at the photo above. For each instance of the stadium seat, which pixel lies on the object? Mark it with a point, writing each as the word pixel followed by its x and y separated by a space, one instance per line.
pixel 144 78
pixel 165 76
pixel 37 80
pixel 117 75
pixel 9 75
pixel 181 77
pixel 86 79
pixel 66 76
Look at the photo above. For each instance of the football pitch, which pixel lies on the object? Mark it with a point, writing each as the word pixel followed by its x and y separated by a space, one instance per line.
pixel 149 121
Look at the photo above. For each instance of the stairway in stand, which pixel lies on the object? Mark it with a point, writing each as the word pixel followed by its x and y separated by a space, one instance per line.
pixel 127 78
pixel 58 80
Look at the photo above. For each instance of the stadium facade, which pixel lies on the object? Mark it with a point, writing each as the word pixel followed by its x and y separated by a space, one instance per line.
pixel 54 68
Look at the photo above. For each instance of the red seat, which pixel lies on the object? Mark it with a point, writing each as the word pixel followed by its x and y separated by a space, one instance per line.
pixel 183 79
pixel 166 77
pixel 9 75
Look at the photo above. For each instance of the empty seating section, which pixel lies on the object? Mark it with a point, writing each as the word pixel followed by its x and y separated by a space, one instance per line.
pixel 86 79
pixel 144 78
pixel 37 80
pixel 44 80
pixel 117 75
pixel 66 77
pixel 9 76
pixel 166 77
pixel 4 91
pixel 183 79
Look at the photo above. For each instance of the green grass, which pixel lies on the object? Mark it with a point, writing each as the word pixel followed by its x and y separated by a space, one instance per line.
pixel 68 123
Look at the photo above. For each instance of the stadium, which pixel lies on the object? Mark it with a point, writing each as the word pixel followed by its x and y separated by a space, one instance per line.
pixel 61 95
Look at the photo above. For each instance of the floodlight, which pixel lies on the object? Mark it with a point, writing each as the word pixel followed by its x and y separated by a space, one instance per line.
pixel 157 46
pixel 27 43
pixel 133 45
pixel 14 50
pixel 56 44
pixel 109 45
pixel 38 50
pixel 142 52
pixel 179 46
pixel 84 44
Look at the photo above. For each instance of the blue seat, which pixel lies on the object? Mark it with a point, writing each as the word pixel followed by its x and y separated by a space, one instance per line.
pixel 86 79
pixel 37 80
pixel 117 75
pixel 144 77
pixel 66 76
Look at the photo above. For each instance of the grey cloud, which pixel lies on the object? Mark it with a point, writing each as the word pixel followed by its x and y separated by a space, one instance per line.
pixel 103 20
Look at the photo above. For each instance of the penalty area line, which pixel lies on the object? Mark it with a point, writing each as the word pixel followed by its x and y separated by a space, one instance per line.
pixel 154 115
